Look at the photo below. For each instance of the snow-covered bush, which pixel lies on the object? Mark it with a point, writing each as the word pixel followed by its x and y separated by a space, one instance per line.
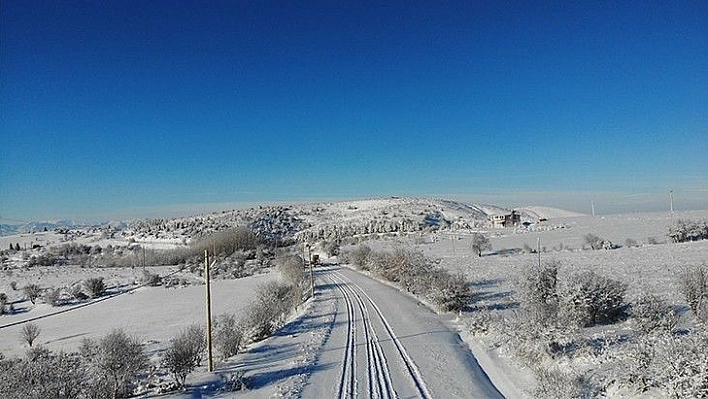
pixel 688 230
pixel 596 242
pixel 588 299
pixel 184 353
pixel 538 288
pixel 651 312
pixel 52 296
pixel 554 383
pixel 449 292
pixel 95 286
pixel 414 273
pixel 114 362
pixel 235 381
pixel 227 335
pixel 681 364
pixel 3 302
pixel 273 302
pixel 401 266
pixel 360 257
pixel 332 247
pixel 77 292
pixel 675 365
pixel 693 284
pixel 44 375
pixel 292 269
pixel 150 279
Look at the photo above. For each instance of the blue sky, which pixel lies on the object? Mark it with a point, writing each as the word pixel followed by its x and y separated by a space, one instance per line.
pixel 141 108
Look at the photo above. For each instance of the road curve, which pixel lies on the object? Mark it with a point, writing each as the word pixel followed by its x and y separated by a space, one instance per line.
pixel 388 345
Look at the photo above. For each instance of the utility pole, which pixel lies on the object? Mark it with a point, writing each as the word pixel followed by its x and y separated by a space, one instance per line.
pixel 208 311
pixel 312 273
pixel 671 201
pixel 538 250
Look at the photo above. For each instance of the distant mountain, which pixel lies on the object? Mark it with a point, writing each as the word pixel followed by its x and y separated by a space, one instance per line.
pixel 29 227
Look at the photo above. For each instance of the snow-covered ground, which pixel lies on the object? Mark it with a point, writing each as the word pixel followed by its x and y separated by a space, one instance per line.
pixel 154 314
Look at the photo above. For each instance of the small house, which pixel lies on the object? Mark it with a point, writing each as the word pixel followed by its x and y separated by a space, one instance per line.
pixel 507 219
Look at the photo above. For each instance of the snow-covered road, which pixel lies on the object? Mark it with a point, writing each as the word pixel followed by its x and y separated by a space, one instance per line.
pixel 387 345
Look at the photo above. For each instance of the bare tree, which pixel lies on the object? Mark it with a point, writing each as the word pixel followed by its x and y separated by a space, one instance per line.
pixel 30 332
pixel 32 291
pixel 480 243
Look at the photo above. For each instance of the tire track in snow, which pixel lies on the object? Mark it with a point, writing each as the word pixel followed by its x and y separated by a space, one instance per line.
pixel 413 371
pixel 378 376
pixel 347 380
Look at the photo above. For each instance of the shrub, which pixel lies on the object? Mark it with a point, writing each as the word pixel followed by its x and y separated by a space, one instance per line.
pixel 30 332
pixel 268 311
pixel 555 383
pixel 3 302
pixel 114 362
pixel 630 242
pixel 52 296
pixel 651 312
pixel 480 243
pixel 596 242
pixel 590 299
pixel 44 375
pixel 401 266
pixel 538 287
pixel 449 292
pixel 688 230
pixel 42 260
pixel 292 269
pixel 95 286
pixel 150 279
pixel 77 292
pixel 332 248
pixel 693 284
pixel 679 364
pixel 359 257
pixel 32 292
pixel 227 335
pixel 184 353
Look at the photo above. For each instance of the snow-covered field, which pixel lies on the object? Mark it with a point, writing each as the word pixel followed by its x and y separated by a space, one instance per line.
pixel 339 343
pixel 154 314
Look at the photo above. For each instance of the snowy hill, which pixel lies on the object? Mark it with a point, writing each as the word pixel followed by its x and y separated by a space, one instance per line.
pixel 334 220
pixel 310 221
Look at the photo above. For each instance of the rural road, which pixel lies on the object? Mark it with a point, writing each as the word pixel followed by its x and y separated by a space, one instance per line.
pixel 387 345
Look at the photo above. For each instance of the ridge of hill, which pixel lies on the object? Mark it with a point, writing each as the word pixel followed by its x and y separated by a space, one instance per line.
pixel 307 221
pixel 333 220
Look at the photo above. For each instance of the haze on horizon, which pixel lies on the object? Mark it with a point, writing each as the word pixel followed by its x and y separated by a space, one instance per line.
pixel 135 109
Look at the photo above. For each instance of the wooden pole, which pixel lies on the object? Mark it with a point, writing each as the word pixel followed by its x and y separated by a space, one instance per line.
pixel 312 273
pixel 538 249
pixel 208 311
